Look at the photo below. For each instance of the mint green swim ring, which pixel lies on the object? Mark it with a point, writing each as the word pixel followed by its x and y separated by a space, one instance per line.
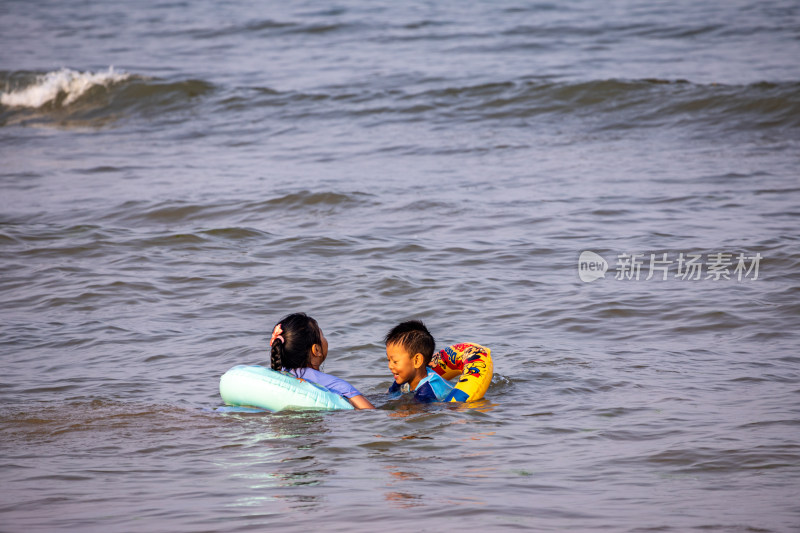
pixel 262 387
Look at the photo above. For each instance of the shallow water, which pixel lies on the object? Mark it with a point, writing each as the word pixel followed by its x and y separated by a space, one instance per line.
pixel 370 163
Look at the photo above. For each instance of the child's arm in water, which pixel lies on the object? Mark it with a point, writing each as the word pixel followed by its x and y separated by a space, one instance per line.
pixel 359 402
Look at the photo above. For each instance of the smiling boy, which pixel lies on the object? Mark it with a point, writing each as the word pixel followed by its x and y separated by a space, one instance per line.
pixel 409 350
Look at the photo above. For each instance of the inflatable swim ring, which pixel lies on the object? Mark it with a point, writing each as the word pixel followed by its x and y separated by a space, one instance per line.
pixel 472 362
pixel 262 387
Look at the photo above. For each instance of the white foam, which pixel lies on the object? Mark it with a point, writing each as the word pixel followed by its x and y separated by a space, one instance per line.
pixel 49 86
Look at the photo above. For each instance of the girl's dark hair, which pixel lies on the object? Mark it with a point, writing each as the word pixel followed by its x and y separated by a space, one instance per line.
pixel 414 337
pixel 300 333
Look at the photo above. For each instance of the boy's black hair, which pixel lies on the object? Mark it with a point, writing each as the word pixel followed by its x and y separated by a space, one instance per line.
pixel 414 337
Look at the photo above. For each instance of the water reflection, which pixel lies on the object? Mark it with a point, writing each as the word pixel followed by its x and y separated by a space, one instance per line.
pixel 406 405
pixel 402 498
pixel 424 445
pixel 278 463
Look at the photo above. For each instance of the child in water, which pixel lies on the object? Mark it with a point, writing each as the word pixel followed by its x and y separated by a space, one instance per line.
pixel 409 349
pixel 299 347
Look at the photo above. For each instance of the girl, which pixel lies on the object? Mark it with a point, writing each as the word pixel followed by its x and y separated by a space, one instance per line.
pixel 299 347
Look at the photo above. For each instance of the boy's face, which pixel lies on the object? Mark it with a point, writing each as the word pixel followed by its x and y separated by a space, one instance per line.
pixel 402 365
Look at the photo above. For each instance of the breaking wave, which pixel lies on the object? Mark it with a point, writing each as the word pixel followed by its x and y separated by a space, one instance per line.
pixel 61 87
pixel 70 98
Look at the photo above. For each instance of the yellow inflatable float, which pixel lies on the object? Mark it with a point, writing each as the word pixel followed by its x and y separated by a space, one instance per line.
pixel 472 362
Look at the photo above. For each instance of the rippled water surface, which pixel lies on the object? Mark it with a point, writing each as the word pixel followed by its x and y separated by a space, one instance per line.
pixel 175 177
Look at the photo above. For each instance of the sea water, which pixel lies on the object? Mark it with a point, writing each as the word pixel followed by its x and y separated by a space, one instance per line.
pixel 177 176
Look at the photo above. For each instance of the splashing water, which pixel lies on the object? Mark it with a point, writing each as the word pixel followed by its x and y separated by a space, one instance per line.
pixel 49 87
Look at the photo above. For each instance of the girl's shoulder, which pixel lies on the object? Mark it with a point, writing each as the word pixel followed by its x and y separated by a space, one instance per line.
pixel 332 383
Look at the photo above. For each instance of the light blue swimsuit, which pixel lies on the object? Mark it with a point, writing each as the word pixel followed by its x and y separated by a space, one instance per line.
pixel 332 383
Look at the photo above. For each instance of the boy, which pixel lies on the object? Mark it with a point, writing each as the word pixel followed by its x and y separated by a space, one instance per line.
pixel 409 349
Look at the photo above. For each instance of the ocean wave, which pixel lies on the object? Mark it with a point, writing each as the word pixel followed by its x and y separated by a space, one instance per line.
pixel 270 28
pixel 61 87
pixel 236 213
pixel 609 104
pixel 659 101
pixel 72 98
pixel 305 199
